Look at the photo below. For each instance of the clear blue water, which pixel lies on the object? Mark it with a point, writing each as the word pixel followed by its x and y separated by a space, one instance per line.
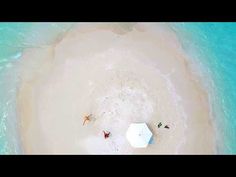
pixel 214 46
pixel 14 38
pixel 211 46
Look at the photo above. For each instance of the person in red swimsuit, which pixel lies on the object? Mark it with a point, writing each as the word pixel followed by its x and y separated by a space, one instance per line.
pixel 106 134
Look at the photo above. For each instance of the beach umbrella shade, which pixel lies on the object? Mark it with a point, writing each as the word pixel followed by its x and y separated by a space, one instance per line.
pixel 138 135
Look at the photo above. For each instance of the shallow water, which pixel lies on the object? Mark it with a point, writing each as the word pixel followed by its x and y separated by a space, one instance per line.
pixel 211 46
pixel 15 37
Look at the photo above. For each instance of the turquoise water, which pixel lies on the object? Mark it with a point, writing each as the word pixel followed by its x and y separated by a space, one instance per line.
pixel 14 38
pixel 211 46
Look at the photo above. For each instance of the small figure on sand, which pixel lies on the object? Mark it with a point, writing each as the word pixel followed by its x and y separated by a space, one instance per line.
pixel 159 125
pixel 167 127
pixel 106 134
pixel 87 118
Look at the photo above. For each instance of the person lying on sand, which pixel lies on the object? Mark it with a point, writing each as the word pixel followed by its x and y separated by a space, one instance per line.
pixel 87 118
pixel 167 127
pixel 106 134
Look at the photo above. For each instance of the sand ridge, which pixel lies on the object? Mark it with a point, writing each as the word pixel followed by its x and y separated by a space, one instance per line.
pixel 120 73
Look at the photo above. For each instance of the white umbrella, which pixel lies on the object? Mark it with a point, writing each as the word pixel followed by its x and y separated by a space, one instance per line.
pixel 138 135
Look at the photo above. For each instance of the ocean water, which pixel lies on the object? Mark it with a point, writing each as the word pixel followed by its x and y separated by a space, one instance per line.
pixel 211 47
pixel 14 38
